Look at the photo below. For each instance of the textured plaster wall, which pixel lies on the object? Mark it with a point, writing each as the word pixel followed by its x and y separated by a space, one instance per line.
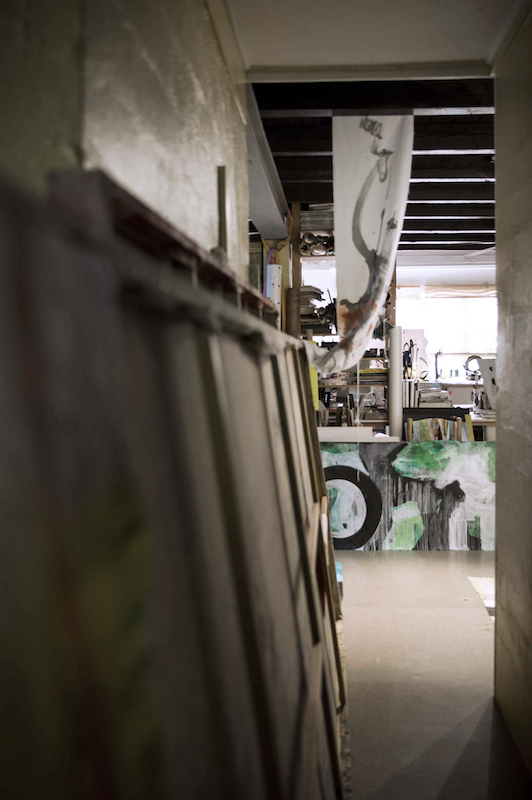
pixel 513 653
pixel 161 113
pixel 40 88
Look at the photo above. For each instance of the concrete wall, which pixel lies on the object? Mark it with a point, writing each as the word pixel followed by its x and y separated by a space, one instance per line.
pixel 40 88
pixel 161 113
pixel 139 89
pixel 513 654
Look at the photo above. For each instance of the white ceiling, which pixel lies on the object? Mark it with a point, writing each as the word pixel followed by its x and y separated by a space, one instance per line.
pixel 282 37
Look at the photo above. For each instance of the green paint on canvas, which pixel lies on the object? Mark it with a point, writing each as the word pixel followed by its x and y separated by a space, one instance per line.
pixel 491 464
pixel 408 527
pixel 474 528
pixel 332 492
pixel 423 460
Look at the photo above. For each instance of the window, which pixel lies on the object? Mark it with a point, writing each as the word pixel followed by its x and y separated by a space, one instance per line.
pixel 457 325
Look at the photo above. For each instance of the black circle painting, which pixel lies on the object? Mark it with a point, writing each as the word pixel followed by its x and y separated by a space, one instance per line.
pixel 361 504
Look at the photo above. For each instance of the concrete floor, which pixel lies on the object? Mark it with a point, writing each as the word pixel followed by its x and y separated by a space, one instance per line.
pixel 419 653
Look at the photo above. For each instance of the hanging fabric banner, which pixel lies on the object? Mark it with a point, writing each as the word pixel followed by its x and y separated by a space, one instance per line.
pixel 372 160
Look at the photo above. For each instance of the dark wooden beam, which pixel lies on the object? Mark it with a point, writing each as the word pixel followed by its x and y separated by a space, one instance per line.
pixel 323 193
pixel 316 140
pixel 467 166
pixel 449 140
pixel 451 236
pixel 320 168
pixel 436 246
pixel 464 224
pixel 452 191
pixel 304 163
pixel 308 192
pixel 392 96
pixel 450 210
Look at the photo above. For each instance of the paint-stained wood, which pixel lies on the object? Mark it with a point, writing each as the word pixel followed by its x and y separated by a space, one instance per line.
pixel 168 606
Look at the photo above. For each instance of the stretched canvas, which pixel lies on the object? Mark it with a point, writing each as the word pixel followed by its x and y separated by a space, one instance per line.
pixel 411 496
pixel 372 161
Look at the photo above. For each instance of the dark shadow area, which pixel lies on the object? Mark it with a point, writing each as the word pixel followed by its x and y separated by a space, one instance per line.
pixel 489 767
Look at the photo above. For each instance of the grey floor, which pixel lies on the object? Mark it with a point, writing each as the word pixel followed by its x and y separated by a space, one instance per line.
pixel 419 653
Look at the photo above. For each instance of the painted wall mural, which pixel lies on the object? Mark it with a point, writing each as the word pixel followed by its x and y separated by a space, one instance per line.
pixel 411 496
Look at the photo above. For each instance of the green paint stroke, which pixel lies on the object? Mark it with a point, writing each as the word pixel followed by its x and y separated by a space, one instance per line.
pixel 408 527
pixel 424 460
pixel 473 527
pixel 491 463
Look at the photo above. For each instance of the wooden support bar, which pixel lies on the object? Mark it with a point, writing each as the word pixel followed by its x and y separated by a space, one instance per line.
pixel 107 208
pixel 293 318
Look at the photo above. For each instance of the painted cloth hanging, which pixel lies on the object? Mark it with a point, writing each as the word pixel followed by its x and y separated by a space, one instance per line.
pixel 372 159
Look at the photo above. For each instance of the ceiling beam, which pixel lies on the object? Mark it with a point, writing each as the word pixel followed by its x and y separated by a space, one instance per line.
pixel 452 191
pixel 384 95
pixel 290 140
pixel 437 246
pixel 450 209
pixel 463 224
pixel 469 166
pixel 267 201
pixel 458 192
pixel 309 192
pixel 297 113
pixel 482 238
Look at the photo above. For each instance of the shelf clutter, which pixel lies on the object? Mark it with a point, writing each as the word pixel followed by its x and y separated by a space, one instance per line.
pixel 420 393
pixel 357 397
pixel 433 429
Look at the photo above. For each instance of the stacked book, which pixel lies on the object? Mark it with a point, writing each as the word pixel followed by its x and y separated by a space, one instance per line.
pixel 308 297
pixel 372 376
pixel 433 430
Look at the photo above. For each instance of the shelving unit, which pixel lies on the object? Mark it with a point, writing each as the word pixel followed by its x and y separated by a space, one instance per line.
pixel 365 371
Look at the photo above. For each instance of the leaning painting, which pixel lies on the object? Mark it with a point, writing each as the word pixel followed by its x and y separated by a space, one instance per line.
pixel 411 496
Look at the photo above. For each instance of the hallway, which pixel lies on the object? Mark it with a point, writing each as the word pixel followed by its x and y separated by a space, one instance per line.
pixel 419 649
